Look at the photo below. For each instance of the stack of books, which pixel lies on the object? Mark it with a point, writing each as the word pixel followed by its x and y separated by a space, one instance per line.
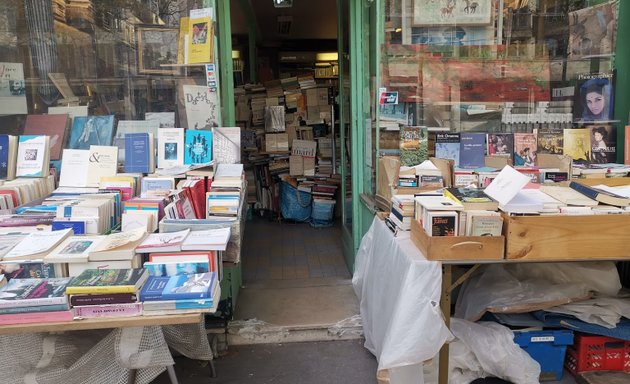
pixel 402 212
pixel 107 292
pixel 224 199
pixel 182 293
pixel 24 301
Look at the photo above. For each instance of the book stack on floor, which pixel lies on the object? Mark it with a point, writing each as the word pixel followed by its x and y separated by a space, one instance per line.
pixel 107 292
pixel 26 301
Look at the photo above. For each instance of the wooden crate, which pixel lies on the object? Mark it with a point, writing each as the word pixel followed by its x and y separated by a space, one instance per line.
pixel 592 237
pixel 454 248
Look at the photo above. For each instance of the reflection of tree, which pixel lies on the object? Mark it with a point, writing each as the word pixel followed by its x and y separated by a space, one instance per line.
pixel 169 11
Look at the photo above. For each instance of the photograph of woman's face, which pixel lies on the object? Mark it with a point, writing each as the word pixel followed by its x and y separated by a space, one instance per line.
pixel 598 136
pixel 595 102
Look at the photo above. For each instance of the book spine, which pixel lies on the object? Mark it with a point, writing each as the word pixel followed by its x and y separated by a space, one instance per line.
pixel 36 317
pixel 99 290
pixel 124 298
pixel 448 194
pixel 39 308
pixel 108 310
pixel 177 304
pixel 34 302
pixel 185 296
pixel 586 191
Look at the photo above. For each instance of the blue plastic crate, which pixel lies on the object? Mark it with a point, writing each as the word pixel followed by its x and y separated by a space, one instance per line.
pixel 548 348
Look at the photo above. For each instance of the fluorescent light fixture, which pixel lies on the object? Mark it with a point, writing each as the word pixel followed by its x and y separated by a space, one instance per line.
pixel 327 56
pixel 282 3
pixel 236 54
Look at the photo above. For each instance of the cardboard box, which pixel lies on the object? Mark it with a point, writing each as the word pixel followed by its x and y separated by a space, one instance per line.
pixel 453 248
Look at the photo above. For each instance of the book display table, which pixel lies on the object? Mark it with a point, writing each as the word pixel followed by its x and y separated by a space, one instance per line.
pixel 399 291
pixel 113 350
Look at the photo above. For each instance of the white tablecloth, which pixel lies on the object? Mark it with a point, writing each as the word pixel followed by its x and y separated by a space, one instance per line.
pixel 399 293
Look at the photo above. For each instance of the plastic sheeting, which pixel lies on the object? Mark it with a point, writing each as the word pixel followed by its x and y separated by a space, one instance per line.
pixel 526 287
pixel 399 296
pixel 603 311
pixel 488 349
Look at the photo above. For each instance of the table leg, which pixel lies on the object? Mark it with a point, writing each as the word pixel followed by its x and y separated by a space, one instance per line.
pixel 171 374
pixel 132 376
pixel 445 304
pixel 213 371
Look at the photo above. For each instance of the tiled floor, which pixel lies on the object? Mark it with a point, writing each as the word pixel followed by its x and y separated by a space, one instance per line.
pixel 285 251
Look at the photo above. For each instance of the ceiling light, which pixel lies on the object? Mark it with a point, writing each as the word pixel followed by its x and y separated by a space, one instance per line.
pixel 282 3
pixel 327 56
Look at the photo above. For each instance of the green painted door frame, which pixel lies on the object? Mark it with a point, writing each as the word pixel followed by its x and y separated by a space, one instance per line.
pixel 226 74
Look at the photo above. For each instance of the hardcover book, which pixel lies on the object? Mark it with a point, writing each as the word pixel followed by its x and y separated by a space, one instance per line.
pixel 198 286
pixel 126 127
pixel 8 156
pixel 96 281
pixel 139 153
pixel 170 147
pixel 33 156
pixel 577 144
pixel 603 139
pixel 473 150
pixel 525 145
pixel 198 148
pixel 54 126
pixel 91 130
pixel 447 146
pixel 34 292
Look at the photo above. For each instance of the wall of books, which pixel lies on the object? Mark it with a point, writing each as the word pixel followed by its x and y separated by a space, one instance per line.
pixel 489 83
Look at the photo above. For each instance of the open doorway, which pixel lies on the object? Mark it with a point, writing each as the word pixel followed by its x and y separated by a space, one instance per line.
pixel 291 91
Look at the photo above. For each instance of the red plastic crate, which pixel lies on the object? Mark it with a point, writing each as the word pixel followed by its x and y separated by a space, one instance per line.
pixel 598 353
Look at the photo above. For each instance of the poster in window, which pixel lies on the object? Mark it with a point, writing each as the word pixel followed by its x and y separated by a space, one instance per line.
pixel 452 12
pixel 12 89
pixel 157 47
pixel 592 31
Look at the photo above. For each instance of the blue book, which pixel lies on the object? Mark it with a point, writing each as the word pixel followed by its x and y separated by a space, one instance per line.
pixel 77 226
pixel 197 147
pixel 138 153
pixel 181 287
pixel 473 150
pixel 447 146
pixel 4 156
pixel 181 304
pixel 91 130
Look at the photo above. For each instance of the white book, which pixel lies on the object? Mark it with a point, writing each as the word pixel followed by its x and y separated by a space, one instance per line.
pixel 207 240
pixel 143 219
pixel 9 241
pixel 229 171
pixel 522 203
pixel 33 156
pixel 471 215
pixel 118 246
pixel 37 244
pixel 202 107
pixel 568 196
pixel 156 187
pixel 74 168
pixel 163 242
pixel 486 225
pixel 442 223
pixel 103 162
pixel 506 185
pixel 164 119
pixel 75 269
pixel 226 145
pixel 170 147
pixel 74 249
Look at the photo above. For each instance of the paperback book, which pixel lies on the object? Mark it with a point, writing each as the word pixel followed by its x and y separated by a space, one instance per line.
pixel 525 145
pixel 91 130
pixel 96 281
pixel 182 287
pixel 34 292
pixel 33 156
pixel 447 146
pixel 198 148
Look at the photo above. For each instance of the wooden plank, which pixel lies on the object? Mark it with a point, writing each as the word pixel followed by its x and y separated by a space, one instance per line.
pixel 593 237
pixel 603 377
pixel 104 323
pixel 457 247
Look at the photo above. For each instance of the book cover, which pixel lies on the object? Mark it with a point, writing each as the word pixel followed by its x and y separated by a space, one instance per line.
pixel 471 198
pixel 603 196
pixel 108 310
pixel 102 162
pixel 37 243
pixel 34 292
pixel 603 140
pixel 77 226
pixel 74 249
pixel 486 225
pixel 125 127
pixel 414 145
pixel 37 308
pixel 34 269
pixel 54 126
pixel 156 187
pixel 74 168
pixel 577 144
pixel 138 153
pixel 200 39
pixel 33 156
pixel 500 145
pixel 202 107
pixel 8 241
pixel 198 148
pixel 12 89
pixel 36 317
pixel 550 140
pixel 175 269
pixel 473 150
pixel 164 119
pixel 447 146
pixel 226 145
pixel 167 242
pixel 198 286
pixel 443 223
pixel 594 97
pixel 91 130
pixel 102 299
pixel 525 147
pixel 170 147
pixel 96 281
pixel 4 157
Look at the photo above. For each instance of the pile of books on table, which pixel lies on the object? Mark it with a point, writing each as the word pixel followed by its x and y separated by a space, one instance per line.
pixel 25 301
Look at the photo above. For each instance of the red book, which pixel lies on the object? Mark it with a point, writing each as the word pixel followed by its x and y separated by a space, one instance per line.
pixel 14 196
pixel 36 317
pixel 164 256
pixel 101 299
pixel 197 192
pixel 54 126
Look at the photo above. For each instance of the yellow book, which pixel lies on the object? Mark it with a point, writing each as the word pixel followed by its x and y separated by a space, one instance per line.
pixel 182 42
pixel 97 281
pixel 200 38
